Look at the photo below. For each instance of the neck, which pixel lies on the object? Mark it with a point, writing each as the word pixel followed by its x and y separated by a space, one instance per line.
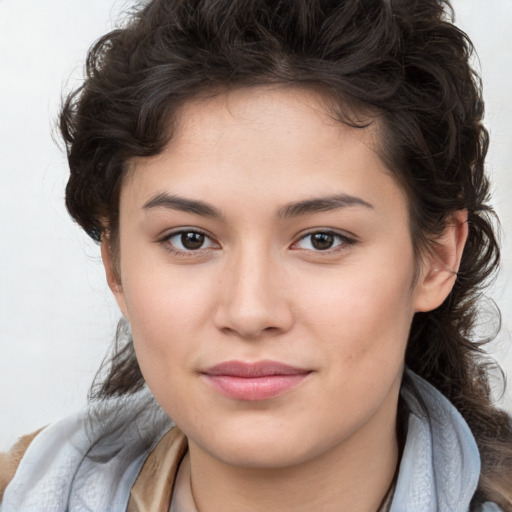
pixel 355 477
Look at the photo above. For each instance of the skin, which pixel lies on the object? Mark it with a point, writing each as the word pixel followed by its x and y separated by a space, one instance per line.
pixel 257 289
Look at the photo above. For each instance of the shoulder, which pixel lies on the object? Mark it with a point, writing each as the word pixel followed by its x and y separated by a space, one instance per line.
pixel 10 461
pixel 441 463
pixel 89 458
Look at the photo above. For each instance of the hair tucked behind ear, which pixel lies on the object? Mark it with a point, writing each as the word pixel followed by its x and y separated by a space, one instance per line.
pixel 401 61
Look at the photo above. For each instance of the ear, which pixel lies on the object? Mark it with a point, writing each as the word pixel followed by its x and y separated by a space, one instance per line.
pixel 440 264
pixel 113 278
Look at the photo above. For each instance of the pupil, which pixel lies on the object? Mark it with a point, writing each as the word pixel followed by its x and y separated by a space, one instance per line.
pixel 322 241
pixel 192 240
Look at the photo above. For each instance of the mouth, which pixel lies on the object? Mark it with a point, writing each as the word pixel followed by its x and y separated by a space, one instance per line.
pixel 254 381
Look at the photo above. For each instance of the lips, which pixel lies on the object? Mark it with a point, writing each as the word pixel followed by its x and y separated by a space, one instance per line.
pixel 254 381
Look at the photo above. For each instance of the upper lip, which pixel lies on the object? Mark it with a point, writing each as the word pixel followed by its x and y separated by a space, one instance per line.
pixel 253 370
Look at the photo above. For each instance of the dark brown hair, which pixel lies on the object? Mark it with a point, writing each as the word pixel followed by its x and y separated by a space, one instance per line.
pixel 402 60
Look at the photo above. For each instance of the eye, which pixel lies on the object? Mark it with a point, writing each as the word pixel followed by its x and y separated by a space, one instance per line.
pixel 186 241
pixel 322 241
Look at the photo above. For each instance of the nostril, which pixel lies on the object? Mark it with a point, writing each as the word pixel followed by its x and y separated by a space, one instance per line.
pixel 254 324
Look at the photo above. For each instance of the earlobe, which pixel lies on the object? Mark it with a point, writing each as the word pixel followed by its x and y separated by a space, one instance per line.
pixel 112 276
pixel 441 264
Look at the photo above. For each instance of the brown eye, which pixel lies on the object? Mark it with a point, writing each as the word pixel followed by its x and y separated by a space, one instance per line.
pixel 192 240
pixel 182 242
pixel 322 241
pixel 326 241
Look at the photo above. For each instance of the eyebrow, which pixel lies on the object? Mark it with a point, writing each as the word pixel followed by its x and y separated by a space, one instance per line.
pixel 321 204
pixel 172 202
pixel 295 209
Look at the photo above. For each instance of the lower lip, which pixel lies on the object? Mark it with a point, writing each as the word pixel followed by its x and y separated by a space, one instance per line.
pixel 254 388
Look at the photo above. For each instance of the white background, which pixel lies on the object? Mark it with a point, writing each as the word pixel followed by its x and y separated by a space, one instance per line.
pixel 57 319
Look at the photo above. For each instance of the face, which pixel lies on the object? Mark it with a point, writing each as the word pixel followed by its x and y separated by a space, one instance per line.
pixel 267 272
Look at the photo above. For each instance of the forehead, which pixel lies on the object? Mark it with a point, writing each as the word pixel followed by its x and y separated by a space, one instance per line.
pixel 260 113
pixel 277 141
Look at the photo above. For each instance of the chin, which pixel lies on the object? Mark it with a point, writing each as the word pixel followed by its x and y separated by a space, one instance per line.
pixel 258 448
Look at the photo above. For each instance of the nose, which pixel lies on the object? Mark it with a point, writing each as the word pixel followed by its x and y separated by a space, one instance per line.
pixel 253 299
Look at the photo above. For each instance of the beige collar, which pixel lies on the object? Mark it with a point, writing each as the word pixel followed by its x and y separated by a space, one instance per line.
pixel 154 486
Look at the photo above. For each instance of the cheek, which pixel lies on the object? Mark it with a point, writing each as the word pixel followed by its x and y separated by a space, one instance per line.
pixel 361 322
pixel 166 310
pixel 165 327
pixel 364 313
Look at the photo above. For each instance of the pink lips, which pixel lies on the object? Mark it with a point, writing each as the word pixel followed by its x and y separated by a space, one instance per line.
pixel 254 381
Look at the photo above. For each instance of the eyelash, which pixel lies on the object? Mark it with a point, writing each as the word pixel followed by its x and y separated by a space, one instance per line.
pixel 343 240
pixel 165 241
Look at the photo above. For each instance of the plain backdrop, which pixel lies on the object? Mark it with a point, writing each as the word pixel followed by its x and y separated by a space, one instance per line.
pixel 57 319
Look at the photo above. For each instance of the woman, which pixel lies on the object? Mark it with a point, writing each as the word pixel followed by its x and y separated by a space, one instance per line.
pixel 291 204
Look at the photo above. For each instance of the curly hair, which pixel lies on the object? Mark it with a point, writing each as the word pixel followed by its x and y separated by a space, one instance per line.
pixel 402 60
